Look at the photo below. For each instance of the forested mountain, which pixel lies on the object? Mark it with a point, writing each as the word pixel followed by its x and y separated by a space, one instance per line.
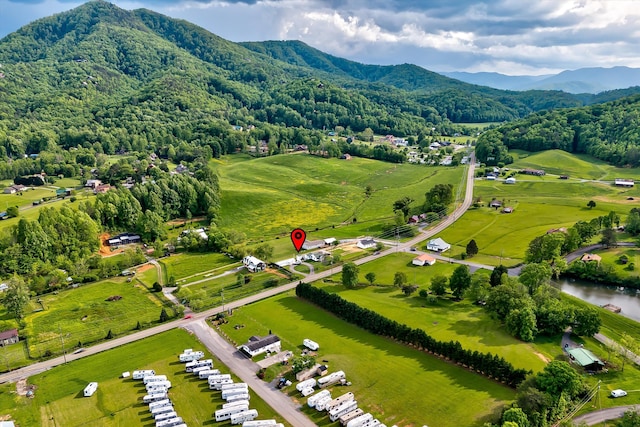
pixel 495 80
pixel 609 132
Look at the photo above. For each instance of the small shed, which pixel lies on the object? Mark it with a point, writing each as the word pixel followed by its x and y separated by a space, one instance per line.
pixel 585 358
pixel 591 257
pixel 9 337
pixel 510 180
pixel 423 260
pixel 90 389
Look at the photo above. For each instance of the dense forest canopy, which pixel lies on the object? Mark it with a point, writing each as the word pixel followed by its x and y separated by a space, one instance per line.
pixel 610 132
pixel 101 79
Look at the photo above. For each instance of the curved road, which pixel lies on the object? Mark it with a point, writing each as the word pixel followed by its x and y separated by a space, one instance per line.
pixel 602 415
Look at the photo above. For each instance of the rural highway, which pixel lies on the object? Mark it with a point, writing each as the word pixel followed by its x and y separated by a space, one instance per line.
pixel 602 415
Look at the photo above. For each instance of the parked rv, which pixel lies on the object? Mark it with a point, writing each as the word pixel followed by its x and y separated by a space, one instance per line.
pixel 360 421
pixel 204 375
pixel 347 397
pixel 321 404
pixel 166 416
pixel 260 423
pixel 159 404
pixel 162 410
pixel 236 403
pixel 225 413
pixel 138 375
pixel 342 409
pixel 90 389
pixel 190 366
pixel 154 397
pixel 154 379
pixel 172 422
pixel 316 397
pixel 236 397
pixel 189 357
pixel 244 416
pixel 217 385
pixel 306 384
pixel 350 415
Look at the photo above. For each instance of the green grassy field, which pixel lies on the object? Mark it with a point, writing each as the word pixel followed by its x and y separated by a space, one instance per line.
pixel 398 384
pixel 611 257
pixel 538 206
pixel 84 315
pixel 58 397
pixel 279 193
pixel 184 266
pixel 581 166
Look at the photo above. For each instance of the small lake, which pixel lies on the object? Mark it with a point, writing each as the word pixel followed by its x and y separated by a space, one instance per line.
pixel 628 299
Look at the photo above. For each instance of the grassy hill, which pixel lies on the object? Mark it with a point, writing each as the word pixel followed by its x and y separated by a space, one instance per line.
pixel 273 195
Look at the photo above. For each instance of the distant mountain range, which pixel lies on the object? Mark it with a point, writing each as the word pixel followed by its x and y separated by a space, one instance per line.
pixel 583 80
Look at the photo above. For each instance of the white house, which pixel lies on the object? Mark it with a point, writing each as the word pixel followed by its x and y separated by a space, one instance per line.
pixel 317 256
pixel 90 389
pixel 330 241
pixel 253 264
pixel 424 259
pixel 257 345
pixel 9 337
pixel 510 180
pixel 366 244
pixel 438 245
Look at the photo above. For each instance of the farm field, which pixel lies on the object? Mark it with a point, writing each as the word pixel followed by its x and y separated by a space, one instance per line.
pixel 539 205
pixel 398 384
pixel 31 213
pixel 83 315
pixel 576 166
pixel 58 397
pixel 279 193
pixel 185 265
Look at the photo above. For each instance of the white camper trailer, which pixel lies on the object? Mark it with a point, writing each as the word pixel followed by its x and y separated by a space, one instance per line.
pixel 190 366
pixel 321 404
pixel 204 375
pixel 171 422
pixel 306 384
pixel 316 397
pixel 217 385
pixel 237 397
pixel 156 384
pixel 166 416
pixel 159 404
pixel 236 403
pixel 260 423
pixel 225 413
pixel 154 378
pixel 350 415
pixel 347 397
pixel 233 391
pixel 311 345
pixel 138 375
pixel 154 397
pixel 162 410
pixel 235 386
pixel 360 421
pixel 343 409
pixel 331 379
pixel 189 357
pixel 244 416
pixel 90 389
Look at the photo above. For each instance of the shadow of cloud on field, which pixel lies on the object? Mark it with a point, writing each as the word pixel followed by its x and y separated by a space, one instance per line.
pixel 429 363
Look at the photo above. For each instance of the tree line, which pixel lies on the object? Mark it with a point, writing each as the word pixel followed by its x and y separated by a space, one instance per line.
pixel 486 364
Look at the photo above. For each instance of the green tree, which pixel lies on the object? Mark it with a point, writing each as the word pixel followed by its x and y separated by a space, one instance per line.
pixel 496 275
pixel 399 279
pixel 300 363
pixel 150 226
pixel 439 285
pixel 16 297
pixel 479 289
pixel 586 321
pixel 517 416
pixel 13 211
pixel 350 275
pixel 368 191
pixel 438 198
pixel 534 275
pixel 460 281
pixel 472 248
pixel 403 205
pixel 157 287
pixel 558 377
pixel 521 323
pixel 371 277
pixel 163 316
pixel 591 204
pixel 264 251
pixel 631 418
pixel 409 289
pixel 609 238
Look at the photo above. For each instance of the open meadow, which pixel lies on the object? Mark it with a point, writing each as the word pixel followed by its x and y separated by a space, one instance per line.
pixel 396 383
pixel 75 317
pixel 272 195
pixel 58 399
pixel 539 204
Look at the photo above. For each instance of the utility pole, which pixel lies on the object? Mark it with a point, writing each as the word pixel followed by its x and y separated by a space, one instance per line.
pixel 64 353
pixel 222 295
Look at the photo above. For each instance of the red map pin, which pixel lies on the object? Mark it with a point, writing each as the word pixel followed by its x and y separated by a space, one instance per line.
pixel 298 236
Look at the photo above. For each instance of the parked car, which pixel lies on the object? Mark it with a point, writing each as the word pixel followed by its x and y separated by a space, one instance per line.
pixel 618 393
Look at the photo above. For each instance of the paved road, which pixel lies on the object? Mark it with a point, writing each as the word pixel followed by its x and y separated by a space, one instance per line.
pixel 246 370
pixel 598 417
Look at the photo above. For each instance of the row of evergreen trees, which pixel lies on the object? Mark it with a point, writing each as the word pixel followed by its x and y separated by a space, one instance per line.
pixel 487 364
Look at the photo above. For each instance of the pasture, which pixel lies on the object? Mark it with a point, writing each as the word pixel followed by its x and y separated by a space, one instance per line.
pixel 84 315
pixel 612 256
pixel 270 196
pixel 185 267
pixel 59 401
pixel 398 384
pixel 539 205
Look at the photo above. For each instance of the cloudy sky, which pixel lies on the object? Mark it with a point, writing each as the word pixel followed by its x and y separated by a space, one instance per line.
pixel 506 36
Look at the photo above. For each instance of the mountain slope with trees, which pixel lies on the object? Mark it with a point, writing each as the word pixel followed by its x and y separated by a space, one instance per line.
pixel 609 132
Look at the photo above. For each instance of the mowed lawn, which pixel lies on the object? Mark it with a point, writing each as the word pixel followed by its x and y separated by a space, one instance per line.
pixel 59 400
pixel 396 383
pixel 446 320
pixel 84 314
pixel 185 265
pixel 272 195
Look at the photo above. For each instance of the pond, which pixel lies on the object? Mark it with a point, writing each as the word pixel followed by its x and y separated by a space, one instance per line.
pixel 627 299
